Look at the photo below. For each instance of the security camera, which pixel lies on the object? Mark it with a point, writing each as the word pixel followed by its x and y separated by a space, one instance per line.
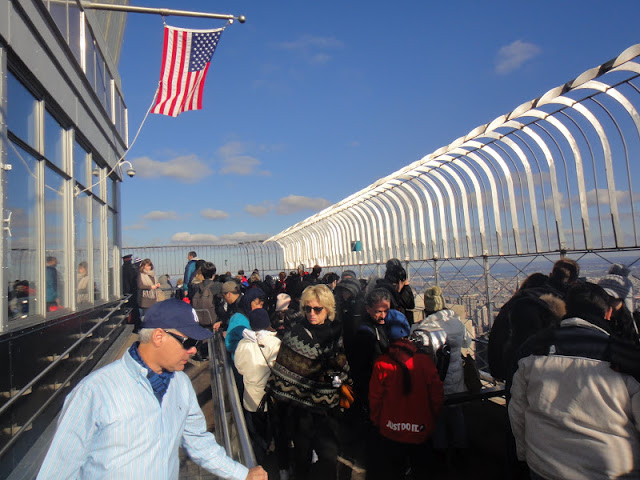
pixel 131 172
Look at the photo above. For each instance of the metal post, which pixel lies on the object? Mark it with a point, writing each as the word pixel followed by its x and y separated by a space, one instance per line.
pixel 165 12
pixel 436 275
pixel 487 276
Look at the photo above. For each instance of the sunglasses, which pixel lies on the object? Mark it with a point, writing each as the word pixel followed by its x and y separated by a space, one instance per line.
pixel 307 309
pixel 187 343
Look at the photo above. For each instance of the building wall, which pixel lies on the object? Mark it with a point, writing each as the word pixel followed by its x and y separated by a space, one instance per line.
pixel 64 129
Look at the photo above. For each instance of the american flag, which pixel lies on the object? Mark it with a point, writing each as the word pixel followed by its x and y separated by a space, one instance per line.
pixel 185 61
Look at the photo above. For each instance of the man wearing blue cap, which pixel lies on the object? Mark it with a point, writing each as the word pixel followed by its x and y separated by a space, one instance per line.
pixel 127 420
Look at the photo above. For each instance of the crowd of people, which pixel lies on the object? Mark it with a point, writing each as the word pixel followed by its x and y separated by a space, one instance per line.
pixel 568 351
pixel 314 353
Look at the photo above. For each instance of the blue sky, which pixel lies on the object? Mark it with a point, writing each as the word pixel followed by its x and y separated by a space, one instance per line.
pixel 309 102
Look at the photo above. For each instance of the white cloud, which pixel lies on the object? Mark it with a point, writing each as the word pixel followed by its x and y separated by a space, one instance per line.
pixel 307 42
pixel 210 239
pixel 295 203
pixel 512 56
pixel 312 48
pixel 212 214
pixel 161 215
pixel 243 237
pixel 137 226
pixel 236 161
pixel 319 58
pixel 187 168
pixel 258 210
pixel 186 237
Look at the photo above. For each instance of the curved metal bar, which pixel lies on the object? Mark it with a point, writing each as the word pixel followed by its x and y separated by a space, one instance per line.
pixel 388 231
pixel 399 197
pixel 464 203
pixel 375 221
pixel 415 183
pixel 421 234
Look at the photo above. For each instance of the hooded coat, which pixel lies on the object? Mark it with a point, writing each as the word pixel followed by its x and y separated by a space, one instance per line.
pixel 251 357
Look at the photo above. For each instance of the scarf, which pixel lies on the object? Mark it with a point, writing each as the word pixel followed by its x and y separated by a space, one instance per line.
pixel 148 278
pixel 159 382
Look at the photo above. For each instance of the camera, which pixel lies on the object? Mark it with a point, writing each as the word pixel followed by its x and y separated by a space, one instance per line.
pixel 131 172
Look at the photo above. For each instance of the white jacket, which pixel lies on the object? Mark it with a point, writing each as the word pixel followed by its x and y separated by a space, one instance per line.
pixel 250 362
pixel 457 338
pixel 575 418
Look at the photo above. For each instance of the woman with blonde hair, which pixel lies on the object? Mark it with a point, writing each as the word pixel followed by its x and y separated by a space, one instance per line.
pixel 307 377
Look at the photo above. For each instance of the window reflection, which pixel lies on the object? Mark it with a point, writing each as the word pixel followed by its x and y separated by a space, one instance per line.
pixel 54 141
pixel 90 51
pixel 74 31
pixel 22 258
pixel 96 226
pixel 110 249
pixel 58 11
pixel 21 111
pixel 80 165
pixel 54 240
pixel 81 210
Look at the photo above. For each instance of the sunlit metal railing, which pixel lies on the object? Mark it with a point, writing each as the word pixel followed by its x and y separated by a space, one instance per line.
pixel 230 426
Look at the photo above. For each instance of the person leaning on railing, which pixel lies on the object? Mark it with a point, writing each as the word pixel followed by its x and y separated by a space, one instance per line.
pixel 127 420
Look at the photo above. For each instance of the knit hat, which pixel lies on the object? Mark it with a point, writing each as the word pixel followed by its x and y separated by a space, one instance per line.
pixel 349 273
pixel 433 299
pixel 249 296
pixel 396 325
pixel 137 260
pixel 230 287
pixel 618 285
pixel 259 319
pixel 282 302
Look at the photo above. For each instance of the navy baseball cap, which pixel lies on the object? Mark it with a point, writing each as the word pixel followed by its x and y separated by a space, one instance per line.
pixel 174 313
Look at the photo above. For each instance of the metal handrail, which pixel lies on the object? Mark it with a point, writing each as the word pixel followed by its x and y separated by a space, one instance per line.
pixel 216 366
pixel 15 398
pixel 55 394
pixel 220 366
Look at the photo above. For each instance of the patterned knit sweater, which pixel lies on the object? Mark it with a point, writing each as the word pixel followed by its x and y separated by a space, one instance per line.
pixel 310 356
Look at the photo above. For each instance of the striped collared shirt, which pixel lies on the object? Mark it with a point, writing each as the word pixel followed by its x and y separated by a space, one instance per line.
pixel 113 427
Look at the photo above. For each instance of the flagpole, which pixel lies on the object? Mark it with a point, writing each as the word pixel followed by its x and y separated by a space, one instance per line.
pixel 165 12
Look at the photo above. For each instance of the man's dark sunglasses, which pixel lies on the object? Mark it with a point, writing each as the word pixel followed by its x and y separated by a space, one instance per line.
pixel 307 309
pixel 187 343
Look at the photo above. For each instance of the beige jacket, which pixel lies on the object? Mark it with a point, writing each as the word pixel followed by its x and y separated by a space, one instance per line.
pixel 251 362
pixel 575 418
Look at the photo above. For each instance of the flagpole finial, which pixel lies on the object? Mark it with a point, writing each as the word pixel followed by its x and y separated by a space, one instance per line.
pixel 242 18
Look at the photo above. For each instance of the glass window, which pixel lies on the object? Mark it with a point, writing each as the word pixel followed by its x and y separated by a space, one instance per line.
pixel 97 248
pixel 80 164
pixel 111 186
pixel 81 208
pixel 101 87
pixel 54 240
pixel 21 111
pixel 90 53
pixel 75 20
pixel 22 254
pixel 96 175
pixel 54 141
pixel 108 83
pixel 111 235
pixel 121 124
pixel 58 11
